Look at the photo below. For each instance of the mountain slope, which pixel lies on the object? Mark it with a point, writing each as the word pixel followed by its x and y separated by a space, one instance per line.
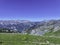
pixel 34 28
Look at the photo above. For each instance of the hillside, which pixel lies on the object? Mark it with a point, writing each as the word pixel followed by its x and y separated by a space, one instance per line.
pixel 51 26
pixel 57 33
pixel 20 39
pixel 30 33
pixel 33 28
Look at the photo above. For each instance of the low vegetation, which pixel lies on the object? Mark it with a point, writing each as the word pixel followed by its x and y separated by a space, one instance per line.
pixel 21 39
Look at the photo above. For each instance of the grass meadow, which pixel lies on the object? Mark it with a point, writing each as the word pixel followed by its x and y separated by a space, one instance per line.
pixel 21 39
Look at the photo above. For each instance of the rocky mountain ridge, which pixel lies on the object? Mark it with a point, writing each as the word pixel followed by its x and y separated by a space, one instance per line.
pixel 34 28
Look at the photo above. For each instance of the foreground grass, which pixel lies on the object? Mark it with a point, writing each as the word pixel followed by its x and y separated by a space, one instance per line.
pixel 20 39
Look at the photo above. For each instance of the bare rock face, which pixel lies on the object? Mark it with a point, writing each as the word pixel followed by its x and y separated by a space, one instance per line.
pixel 42 27
pixel 56 28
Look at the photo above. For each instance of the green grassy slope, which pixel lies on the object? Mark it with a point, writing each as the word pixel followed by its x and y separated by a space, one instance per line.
pixel 20 39
pixel 57 33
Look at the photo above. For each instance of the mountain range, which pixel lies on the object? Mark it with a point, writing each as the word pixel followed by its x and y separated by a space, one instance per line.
pixel 33 28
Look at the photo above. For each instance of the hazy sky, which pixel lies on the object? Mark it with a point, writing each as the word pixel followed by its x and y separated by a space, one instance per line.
pixel 30 9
